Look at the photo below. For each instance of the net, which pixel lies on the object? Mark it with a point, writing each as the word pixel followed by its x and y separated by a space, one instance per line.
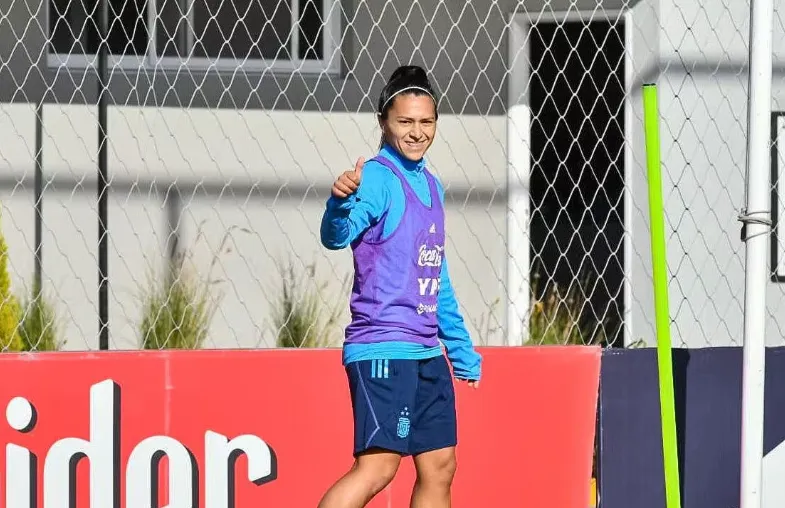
pixel 227 122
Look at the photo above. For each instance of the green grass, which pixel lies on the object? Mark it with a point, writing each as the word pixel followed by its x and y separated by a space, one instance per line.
pixel 303 314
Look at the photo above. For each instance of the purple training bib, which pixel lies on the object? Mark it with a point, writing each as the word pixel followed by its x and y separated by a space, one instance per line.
pixel 396 280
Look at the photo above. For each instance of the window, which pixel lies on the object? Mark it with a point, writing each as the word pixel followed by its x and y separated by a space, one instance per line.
pixel 254 34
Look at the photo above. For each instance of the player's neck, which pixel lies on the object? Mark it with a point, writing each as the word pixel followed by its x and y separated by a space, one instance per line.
pixel 402 162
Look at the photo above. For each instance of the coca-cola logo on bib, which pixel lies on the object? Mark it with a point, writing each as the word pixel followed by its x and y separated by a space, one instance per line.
pixel 430 256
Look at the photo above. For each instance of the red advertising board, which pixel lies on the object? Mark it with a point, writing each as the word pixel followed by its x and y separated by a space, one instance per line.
pixel 272 428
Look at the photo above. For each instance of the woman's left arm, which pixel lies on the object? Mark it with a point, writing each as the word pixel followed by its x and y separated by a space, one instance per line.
pixel 465 360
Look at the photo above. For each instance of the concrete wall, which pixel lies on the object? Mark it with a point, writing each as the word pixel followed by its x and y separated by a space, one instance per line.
pixel 254 175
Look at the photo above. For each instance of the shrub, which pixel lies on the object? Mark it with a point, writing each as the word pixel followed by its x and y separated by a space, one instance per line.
pixel 560 318
pixel 557 317
pixel 177 310
pixel 10 340
pixel 38 323
pixel 178 306
pixel 302 315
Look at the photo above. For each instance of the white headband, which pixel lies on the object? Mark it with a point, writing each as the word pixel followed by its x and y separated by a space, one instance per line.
pixel 404 90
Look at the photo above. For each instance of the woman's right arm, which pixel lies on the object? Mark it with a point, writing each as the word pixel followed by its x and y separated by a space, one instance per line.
pixel 345 219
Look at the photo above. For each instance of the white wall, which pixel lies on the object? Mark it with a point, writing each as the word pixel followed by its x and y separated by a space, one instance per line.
pixel 281 153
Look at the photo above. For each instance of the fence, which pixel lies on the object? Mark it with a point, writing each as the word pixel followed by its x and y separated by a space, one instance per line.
pixel 226 123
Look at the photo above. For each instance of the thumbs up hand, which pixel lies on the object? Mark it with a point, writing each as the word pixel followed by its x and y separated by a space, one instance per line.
pixel 349 181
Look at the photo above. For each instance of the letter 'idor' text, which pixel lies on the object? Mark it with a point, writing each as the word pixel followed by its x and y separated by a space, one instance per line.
pixel 102 450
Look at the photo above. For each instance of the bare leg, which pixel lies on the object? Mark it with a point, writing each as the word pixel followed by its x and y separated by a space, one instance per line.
pixel 371 473
pixel 435 472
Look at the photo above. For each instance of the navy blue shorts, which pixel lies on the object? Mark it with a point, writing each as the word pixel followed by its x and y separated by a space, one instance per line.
pixel 404 406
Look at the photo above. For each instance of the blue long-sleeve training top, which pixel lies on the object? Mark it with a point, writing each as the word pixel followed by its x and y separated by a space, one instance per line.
pixel 346 219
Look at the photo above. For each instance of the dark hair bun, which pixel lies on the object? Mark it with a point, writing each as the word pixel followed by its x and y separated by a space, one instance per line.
pixel 405 76
pixel 410 73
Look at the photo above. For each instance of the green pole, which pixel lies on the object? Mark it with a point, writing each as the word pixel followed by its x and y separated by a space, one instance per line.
pixel 670 453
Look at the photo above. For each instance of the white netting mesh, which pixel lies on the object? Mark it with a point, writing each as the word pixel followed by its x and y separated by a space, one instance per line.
pixel 228 121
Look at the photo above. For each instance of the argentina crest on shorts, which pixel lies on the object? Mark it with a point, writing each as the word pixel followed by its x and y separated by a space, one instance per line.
pixel 403 423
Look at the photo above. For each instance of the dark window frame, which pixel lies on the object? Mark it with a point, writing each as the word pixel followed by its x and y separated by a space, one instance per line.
pixel 291 35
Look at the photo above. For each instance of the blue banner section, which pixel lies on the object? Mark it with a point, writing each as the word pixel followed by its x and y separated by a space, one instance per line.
pixel 708 418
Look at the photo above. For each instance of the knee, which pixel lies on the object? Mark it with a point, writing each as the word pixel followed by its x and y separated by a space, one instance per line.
pixel 378 473
pixel 439 471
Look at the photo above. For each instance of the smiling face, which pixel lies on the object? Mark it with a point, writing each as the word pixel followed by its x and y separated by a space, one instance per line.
pixel 410 125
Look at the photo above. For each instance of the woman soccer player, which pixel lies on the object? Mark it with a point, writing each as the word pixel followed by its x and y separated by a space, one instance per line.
pixel 391 211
